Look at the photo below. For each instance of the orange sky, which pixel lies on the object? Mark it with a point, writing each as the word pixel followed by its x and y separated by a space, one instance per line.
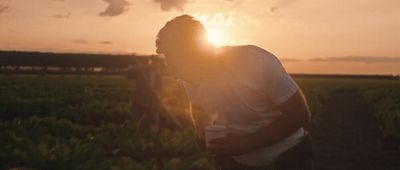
pixel 318 36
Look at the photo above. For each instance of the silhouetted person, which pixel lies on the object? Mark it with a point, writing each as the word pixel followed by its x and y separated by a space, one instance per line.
pixel 260 104
pixel 145 100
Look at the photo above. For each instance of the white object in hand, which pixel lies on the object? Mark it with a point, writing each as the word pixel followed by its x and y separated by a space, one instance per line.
pixel 214 132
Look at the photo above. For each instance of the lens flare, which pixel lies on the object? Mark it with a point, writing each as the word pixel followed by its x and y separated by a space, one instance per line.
pixel 215 37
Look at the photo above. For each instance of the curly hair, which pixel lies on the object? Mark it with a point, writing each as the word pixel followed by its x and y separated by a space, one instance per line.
pixel 181 32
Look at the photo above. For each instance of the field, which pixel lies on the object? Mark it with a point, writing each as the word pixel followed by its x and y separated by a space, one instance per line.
pixel 85 122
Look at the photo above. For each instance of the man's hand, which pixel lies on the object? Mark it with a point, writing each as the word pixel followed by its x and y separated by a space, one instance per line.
pixel 232 144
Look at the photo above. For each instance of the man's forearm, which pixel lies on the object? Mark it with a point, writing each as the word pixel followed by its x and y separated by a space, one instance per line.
pixel 295 114
pixel 278 130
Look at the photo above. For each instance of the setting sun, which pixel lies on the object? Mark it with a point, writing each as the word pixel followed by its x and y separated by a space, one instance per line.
pixel 216 37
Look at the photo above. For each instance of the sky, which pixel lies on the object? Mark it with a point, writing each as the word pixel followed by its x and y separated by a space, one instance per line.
pixel 309 36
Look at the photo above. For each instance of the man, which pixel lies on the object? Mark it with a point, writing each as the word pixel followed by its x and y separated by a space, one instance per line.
pixel 145 99
pixel 247 87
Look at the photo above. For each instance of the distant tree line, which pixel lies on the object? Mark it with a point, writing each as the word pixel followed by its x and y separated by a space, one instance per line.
pixel 75 63
pixel 33 62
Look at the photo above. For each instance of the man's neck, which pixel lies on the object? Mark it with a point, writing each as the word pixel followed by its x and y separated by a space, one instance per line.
pixel 208 67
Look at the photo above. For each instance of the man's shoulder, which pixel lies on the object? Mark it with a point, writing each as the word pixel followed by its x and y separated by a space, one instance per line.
pixel 250 55
pixel 242 49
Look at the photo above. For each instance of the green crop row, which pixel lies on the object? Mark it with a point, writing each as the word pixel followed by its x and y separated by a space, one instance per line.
pixel 89 100
pixel 85 122
pixel 51 143
pixel 384 95
pixel 387 102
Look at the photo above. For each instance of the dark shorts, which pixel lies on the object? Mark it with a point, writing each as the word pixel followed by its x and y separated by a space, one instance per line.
pixel 296 158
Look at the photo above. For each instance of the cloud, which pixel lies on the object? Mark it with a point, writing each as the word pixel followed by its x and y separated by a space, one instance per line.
pixel 3 8
pixel 290 60
pixel 106 42
pixel 167 5
pixel 358 59
pixel 62 16
pixel 115 7
pixel 362 59
pixel 81 41
pixel 281 4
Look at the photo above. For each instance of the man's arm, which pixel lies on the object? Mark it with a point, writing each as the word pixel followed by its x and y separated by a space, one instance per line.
pixel 284 93
pixel 295 114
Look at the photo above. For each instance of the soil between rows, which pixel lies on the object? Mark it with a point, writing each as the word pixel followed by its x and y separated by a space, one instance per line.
pixel 348 136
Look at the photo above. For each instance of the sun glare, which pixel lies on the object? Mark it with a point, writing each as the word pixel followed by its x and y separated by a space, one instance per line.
pixel 216 37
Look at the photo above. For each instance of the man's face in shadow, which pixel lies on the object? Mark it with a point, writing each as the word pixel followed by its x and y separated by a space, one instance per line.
pixel 185 63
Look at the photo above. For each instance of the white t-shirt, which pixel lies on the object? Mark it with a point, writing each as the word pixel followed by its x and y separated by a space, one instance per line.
pixel 246 97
